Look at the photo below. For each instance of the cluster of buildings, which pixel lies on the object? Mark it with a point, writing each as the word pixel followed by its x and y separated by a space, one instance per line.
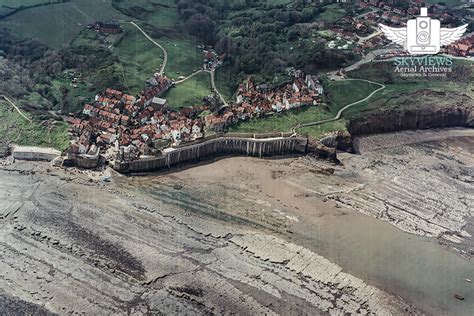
pixel 108 33
pixel 255 101
pixel 212 60
pixel 113 115
pixel 128 127
pixel 303 91
pixel 392 12
pixel 106 27
pixel 463 47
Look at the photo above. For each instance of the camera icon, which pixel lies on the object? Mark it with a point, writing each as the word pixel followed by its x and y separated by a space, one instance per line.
pixel 423 34
pixel 423 38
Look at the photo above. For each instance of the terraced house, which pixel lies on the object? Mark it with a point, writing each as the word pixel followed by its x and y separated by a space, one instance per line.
pixel 145 124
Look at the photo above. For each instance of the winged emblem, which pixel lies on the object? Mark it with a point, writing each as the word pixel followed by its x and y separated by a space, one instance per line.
pixel 423 35
pixel 398 35
pixel 449 36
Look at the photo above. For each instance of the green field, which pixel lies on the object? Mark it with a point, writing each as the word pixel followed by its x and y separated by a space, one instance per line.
pixel 286 121
pixel 190 92
pixel 56 25
pixel 342 93
pixel 333 12
pixel 183 56
pixel 139 57
pixel 282 122
pixel 164 14
pixel 159 13
pixel 319 131
pixel 10 6
pixel 19 131
pixel 24 3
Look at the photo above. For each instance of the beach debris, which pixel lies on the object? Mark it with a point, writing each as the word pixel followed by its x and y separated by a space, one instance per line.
pixel 468 280
pixel 106 178
pixel 459 297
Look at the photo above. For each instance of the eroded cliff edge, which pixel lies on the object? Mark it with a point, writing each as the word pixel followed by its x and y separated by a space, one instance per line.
pixel 420 110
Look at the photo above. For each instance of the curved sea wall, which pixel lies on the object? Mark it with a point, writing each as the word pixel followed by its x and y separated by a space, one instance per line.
pixel 395 121
pixel 217 147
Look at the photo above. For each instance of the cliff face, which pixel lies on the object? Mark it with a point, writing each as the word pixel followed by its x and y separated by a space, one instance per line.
pixel 318 149
pixel 341 140
pixel 412 119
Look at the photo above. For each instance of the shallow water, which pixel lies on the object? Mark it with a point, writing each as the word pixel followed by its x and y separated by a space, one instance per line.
pixel 418 269
pixel 415 268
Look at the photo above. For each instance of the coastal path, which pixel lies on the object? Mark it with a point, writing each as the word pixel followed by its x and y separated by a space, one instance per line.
pixel 16 108
pixel 341 111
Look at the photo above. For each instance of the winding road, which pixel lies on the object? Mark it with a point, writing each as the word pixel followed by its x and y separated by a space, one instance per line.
pixel 368 58
pixel 16 108
pixel 191 75
pixel 165 53
pixel 165 61
pixel 214 87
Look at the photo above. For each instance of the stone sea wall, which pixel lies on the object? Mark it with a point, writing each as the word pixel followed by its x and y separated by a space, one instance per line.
pixel 35 153
pixel 217 147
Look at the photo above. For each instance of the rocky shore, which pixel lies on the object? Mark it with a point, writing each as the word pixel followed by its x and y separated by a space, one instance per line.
pixel 248 235
pixel 73 246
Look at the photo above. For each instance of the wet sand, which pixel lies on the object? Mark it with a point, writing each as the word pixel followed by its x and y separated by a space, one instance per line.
pixel 380 253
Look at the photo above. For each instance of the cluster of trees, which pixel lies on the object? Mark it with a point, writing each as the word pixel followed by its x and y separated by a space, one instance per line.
pixel 261 38
pixel 29 67
pixel 200 18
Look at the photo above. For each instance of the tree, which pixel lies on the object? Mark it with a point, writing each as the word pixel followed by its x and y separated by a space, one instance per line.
pixel 201 26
